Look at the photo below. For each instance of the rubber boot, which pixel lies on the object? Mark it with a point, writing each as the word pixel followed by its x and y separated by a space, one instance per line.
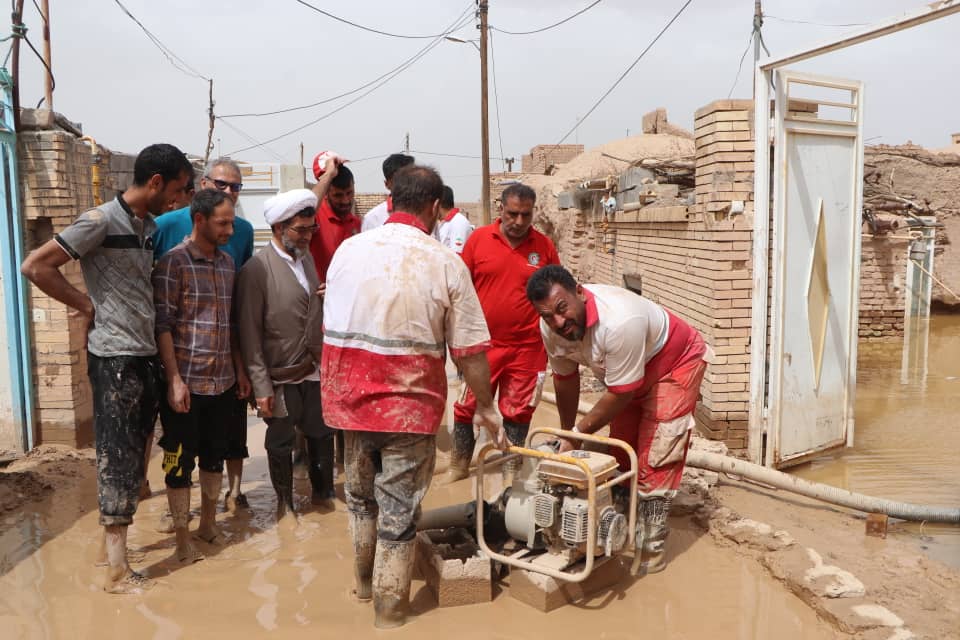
pixel 281 476
pixel 320 455
pixel 392 571
pixel 517 435
pixel 654 507
pixel 363 532
pixel 210 483
pixel 463 443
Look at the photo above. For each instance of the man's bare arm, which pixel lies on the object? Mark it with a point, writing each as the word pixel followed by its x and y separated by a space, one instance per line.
pixel 476 373
pixel 42 268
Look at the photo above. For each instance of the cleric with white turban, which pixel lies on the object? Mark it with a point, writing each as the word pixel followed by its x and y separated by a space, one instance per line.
pixel 284 206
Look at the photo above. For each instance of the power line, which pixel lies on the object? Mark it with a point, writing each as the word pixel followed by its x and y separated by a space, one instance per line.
pixel 496 97
pixel 172 57
pixel 548 27
pixel 400 70
pixel 817 24
pixel 246 136
pixel 753 34
pixel 53 81
pixel 450 155
pixel 347 93
pixel 625 73
pixel 370 29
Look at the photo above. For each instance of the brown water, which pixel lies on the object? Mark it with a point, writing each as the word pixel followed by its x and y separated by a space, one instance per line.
pixel 291 583
pixel 907 434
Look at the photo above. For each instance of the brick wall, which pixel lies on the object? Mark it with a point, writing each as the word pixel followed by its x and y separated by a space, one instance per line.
pixel 543 155
pixel 696 261
pixel 56 185
pixel 882 271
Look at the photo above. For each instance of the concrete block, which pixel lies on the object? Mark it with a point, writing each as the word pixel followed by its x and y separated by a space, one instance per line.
pixel 546 594
pixel 454 568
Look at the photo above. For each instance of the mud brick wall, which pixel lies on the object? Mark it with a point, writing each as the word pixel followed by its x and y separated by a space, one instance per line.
pixel 882 272
pixel 363 202
pixel 696 261
pixel 56 186
pixel 544 155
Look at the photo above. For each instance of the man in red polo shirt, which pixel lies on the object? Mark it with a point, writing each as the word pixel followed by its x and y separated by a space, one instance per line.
pixel 336 220
pixel 501 257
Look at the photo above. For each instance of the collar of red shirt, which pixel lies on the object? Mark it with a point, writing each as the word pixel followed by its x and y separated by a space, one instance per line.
pixel 498 233
pixel 590 301
pixel 450 215
pixel 400 217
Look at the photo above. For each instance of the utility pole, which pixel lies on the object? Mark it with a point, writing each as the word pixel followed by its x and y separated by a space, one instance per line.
pixel 48 85
pixel 206 157
pixel 509 162
pixel 18 31
pixel 483 6
pixel 757 25
pixel 406 143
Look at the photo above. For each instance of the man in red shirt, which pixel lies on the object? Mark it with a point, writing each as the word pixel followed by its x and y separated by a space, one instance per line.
pixel 501 257
pixel 336 220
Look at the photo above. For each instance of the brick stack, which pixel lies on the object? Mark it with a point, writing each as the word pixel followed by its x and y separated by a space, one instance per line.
pixel 542 156
pixel 882 270
pixel 56 186
pixel 697 262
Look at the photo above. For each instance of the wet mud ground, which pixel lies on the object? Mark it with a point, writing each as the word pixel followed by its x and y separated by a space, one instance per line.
pixel 268 582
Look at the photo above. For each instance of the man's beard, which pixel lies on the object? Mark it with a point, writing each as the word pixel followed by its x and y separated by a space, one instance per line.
pixel 293 249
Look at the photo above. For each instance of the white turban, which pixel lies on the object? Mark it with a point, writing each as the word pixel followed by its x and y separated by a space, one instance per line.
pixel 284 206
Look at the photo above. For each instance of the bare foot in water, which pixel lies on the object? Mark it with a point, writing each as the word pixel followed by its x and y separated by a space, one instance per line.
pixel 129 582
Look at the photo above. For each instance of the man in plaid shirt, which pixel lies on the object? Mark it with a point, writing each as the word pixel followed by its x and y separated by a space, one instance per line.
pixel 193 293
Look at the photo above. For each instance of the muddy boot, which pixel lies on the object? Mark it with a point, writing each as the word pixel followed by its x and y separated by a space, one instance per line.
pixel 392 571
pixel 209 496
pixel 234 499
pixel 179 501
pixel 281 476
pixel 320 455
pixel 363 531
pixel 461 453
pixel 517 435
pixel 652 511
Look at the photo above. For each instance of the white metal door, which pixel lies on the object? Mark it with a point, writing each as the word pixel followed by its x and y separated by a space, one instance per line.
pixel 816 265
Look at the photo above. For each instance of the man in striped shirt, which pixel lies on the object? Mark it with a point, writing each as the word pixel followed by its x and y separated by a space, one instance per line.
pixel 193 295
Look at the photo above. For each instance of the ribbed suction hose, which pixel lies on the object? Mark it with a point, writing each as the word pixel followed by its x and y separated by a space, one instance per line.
pixel 818 491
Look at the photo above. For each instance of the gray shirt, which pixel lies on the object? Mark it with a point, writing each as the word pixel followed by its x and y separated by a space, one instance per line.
pixel 115 250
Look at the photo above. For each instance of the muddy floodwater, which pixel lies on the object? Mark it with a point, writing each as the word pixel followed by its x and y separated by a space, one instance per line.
pixel 907 434
pixel 294 583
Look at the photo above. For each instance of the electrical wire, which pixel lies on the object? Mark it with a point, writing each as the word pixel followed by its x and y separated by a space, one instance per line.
pixel 370 29
pixel 496 99
pixel 548 27
pixel 53 81
pixel 753 34
pixel 625 73
pixel 347 93
pixel 451 155
pixel 400 70
pixel 817 24
pixel 246 136
pixel 171 57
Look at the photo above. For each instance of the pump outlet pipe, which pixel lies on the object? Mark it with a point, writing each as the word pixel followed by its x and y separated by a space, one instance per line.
pixel 817 491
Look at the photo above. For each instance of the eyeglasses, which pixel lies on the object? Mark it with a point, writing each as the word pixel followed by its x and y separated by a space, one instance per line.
pixel 302 231
pixel 223 185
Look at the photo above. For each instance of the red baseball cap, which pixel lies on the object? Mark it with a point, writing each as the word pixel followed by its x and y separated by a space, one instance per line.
pixel 321 159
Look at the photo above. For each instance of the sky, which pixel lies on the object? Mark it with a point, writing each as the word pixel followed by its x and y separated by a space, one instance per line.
pixel 267 56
